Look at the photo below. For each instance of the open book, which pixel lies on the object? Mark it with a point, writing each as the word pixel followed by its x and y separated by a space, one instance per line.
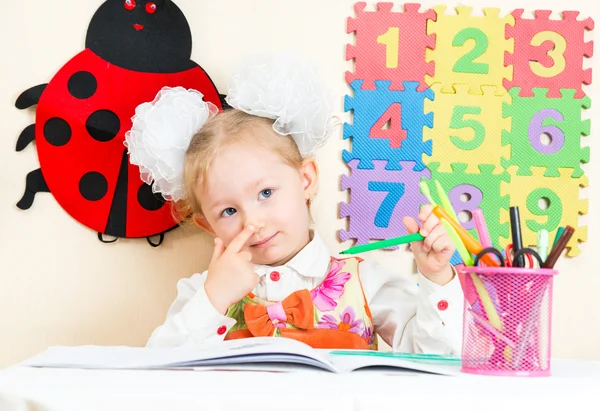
pixel 249 353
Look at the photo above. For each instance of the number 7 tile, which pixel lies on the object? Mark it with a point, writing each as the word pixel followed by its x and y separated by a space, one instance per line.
pixel 379 199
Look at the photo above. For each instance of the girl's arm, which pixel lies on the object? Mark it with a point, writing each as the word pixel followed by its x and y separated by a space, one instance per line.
pixel 191 320
pixel 424 318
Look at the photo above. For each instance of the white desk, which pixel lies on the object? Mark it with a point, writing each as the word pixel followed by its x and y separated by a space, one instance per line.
pixel 575 385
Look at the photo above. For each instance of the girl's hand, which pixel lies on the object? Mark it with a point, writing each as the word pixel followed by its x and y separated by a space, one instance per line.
pixel 230 273
pixel 434 252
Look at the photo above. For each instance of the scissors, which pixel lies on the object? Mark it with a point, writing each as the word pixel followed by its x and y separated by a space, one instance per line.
pixel 506 259
pixel 529 254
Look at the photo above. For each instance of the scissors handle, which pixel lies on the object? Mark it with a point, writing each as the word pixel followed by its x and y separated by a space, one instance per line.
pixel 487 251
pixel 533 253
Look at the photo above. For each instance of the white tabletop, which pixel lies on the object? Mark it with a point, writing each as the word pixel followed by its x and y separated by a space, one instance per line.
pixel 573 384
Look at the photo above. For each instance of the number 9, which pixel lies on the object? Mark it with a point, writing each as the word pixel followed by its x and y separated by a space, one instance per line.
pixel 554 210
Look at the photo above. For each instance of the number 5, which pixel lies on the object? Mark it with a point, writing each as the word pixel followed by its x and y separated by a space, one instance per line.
pixel 459 122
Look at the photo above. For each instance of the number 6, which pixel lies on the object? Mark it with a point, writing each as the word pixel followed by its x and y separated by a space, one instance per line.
pixel 536 129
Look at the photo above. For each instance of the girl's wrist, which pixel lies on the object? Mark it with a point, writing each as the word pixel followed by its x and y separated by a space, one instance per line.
pixel 441 277
pixel 219 305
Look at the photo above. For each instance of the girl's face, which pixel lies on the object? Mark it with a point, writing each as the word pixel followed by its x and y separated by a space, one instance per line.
pixel 252 185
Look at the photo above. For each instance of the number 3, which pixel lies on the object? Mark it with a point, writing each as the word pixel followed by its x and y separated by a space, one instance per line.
pixel 557 54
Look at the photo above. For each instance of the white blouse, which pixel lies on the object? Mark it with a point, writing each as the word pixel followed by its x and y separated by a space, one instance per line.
pixel 423 317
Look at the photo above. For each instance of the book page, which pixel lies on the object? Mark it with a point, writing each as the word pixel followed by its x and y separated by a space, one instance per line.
pixel 248 350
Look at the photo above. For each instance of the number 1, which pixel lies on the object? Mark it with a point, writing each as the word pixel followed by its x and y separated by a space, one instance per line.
pixel 390 40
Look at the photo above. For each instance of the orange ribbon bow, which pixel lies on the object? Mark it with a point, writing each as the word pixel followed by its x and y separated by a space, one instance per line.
pixel 297 309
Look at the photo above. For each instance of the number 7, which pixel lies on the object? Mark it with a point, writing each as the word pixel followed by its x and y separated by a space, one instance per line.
pixel 395 192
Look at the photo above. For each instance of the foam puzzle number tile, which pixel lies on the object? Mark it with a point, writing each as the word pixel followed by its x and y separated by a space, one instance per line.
pixel 369 107
pixel 559 118
pixel 469 49
pixel 549 53
pixel 563 205
pixel 468 191
pixel 390 45
pixel 467 128
pixel 379 199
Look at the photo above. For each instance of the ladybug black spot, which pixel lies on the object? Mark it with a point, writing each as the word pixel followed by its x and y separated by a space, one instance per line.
pixel 149 200
pixel 57 131
pixel 93 186
pixel 103 125
pixel 82 85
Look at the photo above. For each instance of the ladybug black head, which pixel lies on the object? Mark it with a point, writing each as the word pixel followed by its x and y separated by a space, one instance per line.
pixel 142 35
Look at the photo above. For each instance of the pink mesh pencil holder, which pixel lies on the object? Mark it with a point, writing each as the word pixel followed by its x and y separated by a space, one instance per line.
pixel 507 320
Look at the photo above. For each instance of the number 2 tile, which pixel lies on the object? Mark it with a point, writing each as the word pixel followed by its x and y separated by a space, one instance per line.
pixel 469 49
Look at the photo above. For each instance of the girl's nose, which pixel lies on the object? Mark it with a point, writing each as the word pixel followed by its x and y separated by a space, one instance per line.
pixel 258 226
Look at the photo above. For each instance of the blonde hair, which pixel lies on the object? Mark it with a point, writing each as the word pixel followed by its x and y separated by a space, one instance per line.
pixel 227 128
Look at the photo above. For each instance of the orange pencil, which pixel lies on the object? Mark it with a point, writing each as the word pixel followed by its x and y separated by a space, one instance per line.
pixel 470 243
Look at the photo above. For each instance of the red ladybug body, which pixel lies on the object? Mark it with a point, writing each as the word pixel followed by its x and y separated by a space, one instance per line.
pixel 85 110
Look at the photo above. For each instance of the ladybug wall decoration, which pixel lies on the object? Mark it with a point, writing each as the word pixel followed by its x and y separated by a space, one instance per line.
pixel 133 48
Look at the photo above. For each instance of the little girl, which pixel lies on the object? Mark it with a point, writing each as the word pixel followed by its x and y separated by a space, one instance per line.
pixel 247 176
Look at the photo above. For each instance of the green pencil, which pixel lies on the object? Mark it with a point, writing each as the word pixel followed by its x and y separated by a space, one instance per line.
pixel 411 238
pixel 558 234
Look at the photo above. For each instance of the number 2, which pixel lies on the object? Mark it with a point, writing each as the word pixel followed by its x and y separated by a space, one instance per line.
pixel 395 192
pixel 466 63
pixel 390 40
pixel 557 54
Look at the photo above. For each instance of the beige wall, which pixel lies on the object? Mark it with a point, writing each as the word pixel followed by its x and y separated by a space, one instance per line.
pixel 60 285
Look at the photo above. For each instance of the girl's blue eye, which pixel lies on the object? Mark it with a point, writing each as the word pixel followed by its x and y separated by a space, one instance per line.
pixel 228 212
pixel 266 193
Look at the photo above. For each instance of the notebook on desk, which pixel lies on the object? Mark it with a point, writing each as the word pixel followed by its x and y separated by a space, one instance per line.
pixel 263 351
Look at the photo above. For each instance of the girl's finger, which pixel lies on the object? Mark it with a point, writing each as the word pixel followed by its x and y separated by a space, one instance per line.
pixel 412 227
pixel 246 255
pixel 429 224
pixel 442 244
pixel 432 237
pixel 219 248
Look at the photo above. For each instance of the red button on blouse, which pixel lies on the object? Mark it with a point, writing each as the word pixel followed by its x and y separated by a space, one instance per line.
pixel 275 276
pixel 221 330
pixel 442 305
